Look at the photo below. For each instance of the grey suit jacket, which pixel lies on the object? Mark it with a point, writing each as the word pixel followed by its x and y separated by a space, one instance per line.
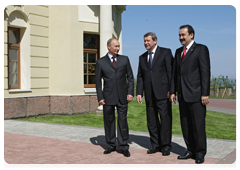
pixel 117 82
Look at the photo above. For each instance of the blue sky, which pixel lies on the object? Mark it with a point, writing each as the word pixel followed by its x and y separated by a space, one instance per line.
pixel 214 25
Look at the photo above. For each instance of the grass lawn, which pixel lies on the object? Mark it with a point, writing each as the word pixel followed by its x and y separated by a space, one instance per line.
pixel 218 125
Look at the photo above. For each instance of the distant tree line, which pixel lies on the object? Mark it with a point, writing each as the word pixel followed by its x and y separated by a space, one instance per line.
pixel 221 84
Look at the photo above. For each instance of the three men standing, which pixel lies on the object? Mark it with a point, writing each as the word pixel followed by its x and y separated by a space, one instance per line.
pixel 157 78
pixel 154 77
pixel 191 81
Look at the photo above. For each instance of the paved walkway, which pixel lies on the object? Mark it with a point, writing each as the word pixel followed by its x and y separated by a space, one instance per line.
pixel 222 105
pixel 45 143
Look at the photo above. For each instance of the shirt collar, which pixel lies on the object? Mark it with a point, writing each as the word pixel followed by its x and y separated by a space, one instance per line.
pixel 110 56
pixel 154 50
pixel 189 45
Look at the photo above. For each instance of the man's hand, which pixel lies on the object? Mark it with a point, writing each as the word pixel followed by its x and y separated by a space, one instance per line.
pixel 102 102
pixel 129 98
pixel 173 98
pixel 205 100
pixel 139 99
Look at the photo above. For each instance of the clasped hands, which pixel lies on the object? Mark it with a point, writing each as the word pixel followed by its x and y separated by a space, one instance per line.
pixel 129 99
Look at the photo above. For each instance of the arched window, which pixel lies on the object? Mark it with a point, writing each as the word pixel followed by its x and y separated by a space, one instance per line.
pixel 18 51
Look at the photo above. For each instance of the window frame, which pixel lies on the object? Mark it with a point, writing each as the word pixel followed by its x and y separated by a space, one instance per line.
pixel 90 51
pixel 12 46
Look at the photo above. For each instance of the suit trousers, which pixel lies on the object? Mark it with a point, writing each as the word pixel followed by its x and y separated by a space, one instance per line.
pixel 192 116
pixel 122 126
pixel 160 131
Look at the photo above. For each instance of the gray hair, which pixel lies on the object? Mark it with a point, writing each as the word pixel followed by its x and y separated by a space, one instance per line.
pixel 110 41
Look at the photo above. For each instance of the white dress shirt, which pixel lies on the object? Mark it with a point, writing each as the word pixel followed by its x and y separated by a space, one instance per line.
pixel 110 57
pixel 153 53
pixel 188 47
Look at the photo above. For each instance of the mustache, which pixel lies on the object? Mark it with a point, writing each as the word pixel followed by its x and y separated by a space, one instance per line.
pixel 182 39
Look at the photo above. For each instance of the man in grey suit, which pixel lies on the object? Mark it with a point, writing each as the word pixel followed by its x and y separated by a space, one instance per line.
pixel 118 91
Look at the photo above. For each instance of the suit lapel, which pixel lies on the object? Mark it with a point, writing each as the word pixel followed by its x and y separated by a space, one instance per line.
pixel 192 48
pixel 156 56
pixel 119 60
pixel 109 61
pixel 179 56
pixel 145 55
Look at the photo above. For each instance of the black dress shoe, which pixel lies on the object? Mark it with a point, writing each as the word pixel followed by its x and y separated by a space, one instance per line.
pixel 186 156
pixel 165 152
pixel 109 150
pixel 199 159
pixel 126 153
pixel 152 150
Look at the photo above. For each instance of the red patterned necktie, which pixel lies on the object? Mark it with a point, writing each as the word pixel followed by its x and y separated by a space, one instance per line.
pixel 184 53
pixel 114 61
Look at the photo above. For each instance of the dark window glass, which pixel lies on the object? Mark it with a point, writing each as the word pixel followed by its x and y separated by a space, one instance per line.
pixel 91 58
pixel 91 79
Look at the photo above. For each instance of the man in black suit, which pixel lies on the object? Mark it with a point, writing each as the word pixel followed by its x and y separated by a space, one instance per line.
pixel 154 77
pixel 114 69
pixel 191 81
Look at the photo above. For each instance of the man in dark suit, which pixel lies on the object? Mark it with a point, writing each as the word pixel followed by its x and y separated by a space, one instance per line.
pixel 154 77
pixel 191 81
pixel 114 69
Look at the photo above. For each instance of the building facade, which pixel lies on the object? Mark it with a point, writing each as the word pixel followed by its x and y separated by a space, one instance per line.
pixel 50 55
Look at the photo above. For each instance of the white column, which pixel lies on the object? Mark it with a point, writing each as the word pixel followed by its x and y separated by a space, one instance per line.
pixel 105 27
pixel 105 30
pixel 119 20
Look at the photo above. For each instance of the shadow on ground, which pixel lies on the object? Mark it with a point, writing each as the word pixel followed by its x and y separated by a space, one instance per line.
pixel 142 141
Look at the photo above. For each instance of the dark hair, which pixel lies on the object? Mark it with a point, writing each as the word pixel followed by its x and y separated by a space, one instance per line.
pixel 190 29
pixel 154 37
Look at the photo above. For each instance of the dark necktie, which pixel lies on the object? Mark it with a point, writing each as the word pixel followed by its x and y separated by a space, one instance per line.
pixel 184 53
pixel 150 60
pixel 114 61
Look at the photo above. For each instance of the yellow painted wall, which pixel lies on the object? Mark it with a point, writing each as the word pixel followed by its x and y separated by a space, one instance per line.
pixel 38 44
pixel 56 48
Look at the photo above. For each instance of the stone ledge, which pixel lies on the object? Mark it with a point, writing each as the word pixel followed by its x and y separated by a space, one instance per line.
pixel 32 106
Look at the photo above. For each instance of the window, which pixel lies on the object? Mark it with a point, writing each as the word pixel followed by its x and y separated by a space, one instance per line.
pixel 91 54
pixel 13 58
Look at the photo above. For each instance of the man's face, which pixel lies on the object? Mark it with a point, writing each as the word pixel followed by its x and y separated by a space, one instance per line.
pixel 149 43
pixel 184 37
pixel 114 47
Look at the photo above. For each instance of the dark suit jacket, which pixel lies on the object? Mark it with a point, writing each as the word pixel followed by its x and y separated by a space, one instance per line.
pixel 191 78
pixel 158 78
pixel 116 88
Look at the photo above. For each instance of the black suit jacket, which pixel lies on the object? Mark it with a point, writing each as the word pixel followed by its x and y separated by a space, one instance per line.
pixel 191 78
pixel 158 78
pixel 117 83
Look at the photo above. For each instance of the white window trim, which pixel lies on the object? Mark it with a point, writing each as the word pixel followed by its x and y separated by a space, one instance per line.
pixel 19 90
pixel 18 20
pixel 90 90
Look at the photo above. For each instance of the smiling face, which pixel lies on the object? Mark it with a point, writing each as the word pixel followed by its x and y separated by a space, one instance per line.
pixel 184 37
pixel 149 43
pixel 113 47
